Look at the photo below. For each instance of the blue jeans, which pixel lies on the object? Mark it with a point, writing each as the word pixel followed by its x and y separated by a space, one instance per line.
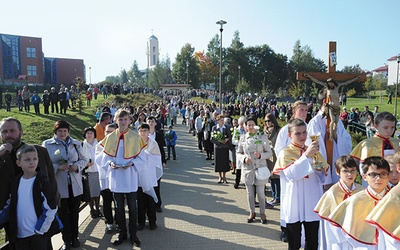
pixel 276 189
pixel 120 212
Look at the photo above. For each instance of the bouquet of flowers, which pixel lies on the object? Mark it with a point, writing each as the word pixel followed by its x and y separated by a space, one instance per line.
pixel 62 160
pixel 235 134
pixel 218 136
pixel 168 135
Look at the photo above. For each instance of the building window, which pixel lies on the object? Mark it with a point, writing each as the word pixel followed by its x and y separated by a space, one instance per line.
pixel 30 52
pixel 154 60
pixel 31 69
pixel 154 49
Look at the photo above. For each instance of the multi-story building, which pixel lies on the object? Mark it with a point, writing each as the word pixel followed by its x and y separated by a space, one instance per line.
pixel 22 61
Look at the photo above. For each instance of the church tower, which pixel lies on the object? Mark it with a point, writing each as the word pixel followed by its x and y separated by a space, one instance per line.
pixel 152 51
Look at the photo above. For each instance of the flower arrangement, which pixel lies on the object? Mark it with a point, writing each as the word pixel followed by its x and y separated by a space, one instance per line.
pixel 218 136
pixel 257 135
pixel 63 160
pixel 236 134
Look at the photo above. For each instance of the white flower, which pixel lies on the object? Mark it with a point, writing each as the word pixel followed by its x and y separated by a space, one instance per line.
pixel 256 127
pixel 57 152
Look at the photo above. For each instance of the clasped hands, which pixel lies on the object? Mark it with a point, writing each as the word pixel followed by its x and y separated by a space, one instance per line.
pixel 248 160
pixel 67 167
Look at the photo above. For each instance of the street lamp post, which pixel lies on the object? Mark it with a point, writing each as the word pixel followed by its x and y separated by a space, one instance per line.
pixel 397 83
pixel 265 80
pixel 90 75
pixel 187 72
pixel 220 22
pixel 239 74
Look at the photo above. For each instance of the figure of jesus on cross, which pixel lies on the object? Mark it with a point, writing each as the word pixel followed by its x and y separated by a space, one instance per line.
pixel 331 92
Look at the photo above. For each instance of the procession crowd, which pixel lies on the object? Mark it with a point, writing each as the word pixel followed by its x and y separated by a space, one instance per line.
pixel 122 158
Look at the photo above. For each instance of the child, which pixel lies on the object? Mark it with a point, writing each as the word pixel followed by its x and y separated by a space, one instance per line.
pixel 32 207
pixel 349 217
pixel 382 143
pixel 383 215
pixel 301 186
pixel 346 169
pixel 146 196
pixel 170 139
pixel 394 175
pixel 98 114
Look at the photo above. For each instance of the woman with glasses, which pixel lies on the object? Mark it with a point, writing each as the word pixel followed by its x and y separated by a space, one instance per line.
pixel 271 129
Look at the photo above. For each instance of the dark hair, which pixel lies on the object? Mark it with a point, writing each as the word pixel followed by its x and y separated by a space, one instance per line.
pixel 378 161
pixel 273 120
pixel 25 149
pixel 143 126
pixel 345 161
pixel 89 129
pixel 251 118
pixel 295 123
pixel 384 116
pixel 104 116
pixel 151 118
pixel 60 124
pixel 11 119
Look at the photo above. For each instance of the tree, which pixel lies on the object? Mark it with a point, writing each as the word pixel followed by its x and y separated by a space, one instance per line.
pixel 208 71
pixel 135 77
pixel 242 87
pixel 303 60
pixel 185 68
pixel 357 86
pixel 112 79
pixel 123 76
pixel 160 74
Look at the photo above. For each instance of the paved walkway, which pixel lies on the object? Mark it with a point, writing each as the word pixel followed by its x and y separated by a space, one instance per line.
pixel 198 213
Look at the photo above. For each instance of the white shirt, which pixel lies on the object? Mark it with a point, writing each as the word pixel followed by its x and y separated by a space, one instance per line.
pixel 27 218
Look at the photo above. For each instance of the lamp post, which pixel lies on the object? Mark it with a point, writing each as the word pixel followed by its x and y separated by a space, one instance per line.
pixel 397 83
pixel 187 72
pixel 265 80
pixel 239 74
pixel 220 22
pixel 90 75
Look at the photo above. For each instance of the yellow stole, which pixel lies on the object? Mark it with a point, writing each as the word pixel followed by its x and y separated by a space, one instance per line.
pixel 385 214
pixel 292 153
pixel 133 144
pixel 350 216
pixel 373 146
pixel 333 197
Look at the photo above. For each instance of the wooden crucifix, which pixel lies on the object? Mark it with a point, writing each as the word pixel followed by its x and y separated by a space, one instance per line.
pixel 332 81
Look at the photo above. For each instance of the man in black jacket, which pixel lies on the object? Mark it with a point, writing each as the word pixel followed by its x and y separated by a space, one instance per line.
pixel 53 99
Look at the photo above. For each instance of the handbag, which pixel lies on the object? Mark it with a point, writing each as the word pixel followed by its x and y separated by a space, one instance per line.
pixel 262 173
pixel 86 188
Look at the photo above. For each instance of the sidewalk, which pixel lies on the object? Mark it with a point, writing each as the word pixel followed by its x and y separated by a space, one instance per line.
pixel 198 213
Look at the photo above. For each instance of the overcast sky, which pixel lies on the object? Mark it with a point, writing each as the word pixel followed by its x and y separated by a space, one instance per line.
pixel 110 35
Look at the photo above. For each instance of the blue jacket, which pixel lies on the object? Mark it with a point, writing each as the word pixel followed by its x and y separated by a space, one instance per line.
pixel 170 138
pixel 35 99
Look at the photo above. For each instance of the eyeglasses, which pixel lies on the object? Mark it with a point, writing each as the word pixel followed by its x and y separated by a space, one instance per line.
pixel 349 172
pixel 267 120
pixel 381 175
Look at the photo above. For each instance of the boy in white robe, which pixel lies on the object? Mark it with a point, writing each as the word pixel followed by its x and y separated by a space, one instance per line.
pixel 301 186
pixel 346 169
pixel 351 230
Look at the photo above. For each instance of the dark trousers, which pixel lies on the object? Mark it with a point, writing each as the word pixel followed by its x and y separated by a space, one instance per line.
pixel 157 189
pixel 27 105
pixel 32 242
pixel 69 216
pixel 200 139
pixel 173 151
pixel 8 106
pixel 120 212
pixel 146 205
pixel 46 108
pixel 37 108
pixel 54 105
pixel 107 205
pixel 238 175
pixel 294 235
